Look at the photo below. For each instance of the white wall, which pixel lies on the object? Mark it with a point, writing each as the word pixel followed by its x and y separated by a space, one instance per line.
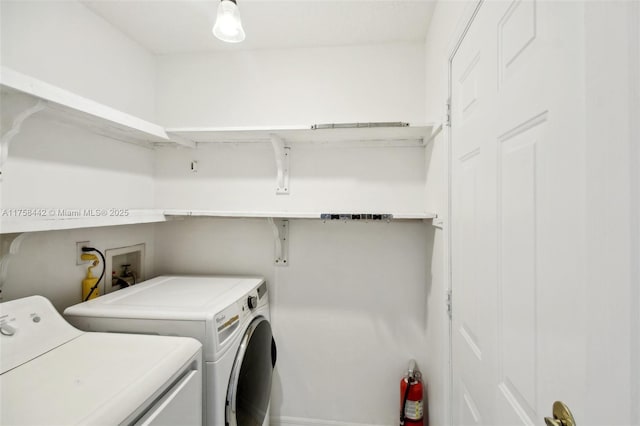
pixel 350 307
pixel 46 261
pixel 65 44
pixel 293 86
pixel 447 23
pixel 323 178
pixel 56 165
pixel 53 164
pixel 347 312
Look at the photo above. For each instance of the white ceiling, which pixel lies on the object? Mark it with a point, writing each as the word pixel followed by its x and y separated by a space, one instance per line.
pixel 180 26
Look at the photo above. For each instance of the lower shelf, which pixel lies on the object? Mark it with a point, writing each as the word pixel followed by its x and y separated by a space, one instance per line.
pixel 303 215
pixel 35 220
pixel 38 220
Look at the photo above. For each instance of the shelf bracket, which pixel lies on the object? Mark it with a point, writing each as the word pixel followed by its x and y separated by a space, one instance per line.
pixel 282 164
pixel 181 142
pixel 438 222
pixel 434 134
pixel 14 248
pixel 280 228
pixel 12 130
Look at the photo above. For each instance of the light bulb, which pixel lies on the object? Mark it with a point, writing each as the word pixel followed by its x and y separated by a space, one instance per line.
pixel 228 26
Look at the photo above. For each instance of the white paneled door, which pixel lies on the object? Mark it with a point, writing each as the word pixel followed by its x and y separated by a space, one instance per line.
pixel 519 220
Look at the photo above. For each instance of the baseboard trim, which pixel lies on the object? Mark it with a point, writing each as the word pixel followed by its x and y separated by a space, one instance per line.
pixel 300 421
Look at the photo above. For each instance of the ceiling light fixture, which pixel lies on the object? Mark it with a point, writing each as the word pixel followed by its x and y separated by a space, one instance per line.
pixel 228 26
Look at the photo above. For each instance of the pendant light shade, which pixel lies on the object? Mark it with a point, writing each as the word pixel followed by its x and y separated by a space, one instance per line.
pixel 228 26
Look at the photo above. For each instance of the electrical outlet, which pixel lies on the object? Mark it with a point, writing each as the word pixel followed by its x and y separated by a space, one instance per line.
pixel 79 246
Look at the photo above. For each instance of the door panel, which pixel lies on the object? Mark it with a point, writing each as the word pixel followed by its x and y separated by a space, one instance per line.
pixel 517 285
pixel 517 260
pixel 518 221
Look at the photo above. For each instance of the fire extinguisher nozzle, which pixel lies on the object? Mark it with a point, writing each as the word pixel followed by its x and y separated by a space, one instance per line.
pixel 412 367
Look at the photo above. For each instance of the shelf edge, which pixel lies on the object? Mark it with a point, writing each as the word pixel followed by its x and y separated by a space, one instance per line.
pixel 282 215
pixel 11 225
pixel 59 97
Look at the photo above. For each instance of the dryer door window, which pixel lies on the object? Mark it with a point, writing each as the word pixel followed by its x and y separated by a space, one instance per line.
pixel 250 382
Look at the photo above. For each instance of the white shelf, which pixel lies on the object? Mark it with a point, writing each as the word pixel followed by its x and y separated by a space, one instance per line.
pixel 101 119
pixel 81 111
pixel 49 220
pixel 53 221
pixel 387 136
pixel 284 215
pixel 23 96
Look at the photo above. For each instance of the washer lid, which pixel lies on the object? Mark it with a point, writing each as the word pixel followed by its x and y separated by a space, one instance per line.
pixel 170 297
pixel 97 378
pixel 30 327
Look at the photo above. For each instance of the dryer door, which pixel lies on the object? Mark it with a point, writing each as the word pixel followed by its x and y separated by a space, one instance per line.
pixel 249 388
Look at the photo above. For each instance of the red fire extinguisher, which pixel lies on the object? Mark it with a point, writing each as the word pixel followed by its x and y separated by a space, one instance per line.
pixel 411 395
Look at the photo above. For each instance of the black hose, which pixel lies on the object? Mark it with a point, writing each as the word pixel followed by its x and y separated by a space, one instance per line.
pixel 104 267
pixel 122 283
pixel 404 400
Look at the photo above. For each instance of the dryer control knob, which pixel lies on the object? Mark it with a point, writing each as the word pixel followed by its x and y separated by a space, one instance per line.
pixel 252 301
pixel 7 330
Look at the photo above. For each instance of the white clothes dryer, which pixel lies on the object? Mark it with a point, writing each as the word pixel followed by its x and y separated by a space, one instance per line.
pixel 54 374
pixel 228 315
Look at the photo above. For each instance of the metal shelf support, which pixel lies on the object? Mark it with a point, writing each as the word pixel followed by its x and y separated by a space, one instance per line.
pixel 280 228
pixel 282 164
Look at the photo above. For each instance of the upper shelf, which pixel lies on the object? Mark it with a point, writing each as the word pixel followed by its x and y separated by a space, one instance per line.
pixel 101 119
pixel 393 136
pixel 73 108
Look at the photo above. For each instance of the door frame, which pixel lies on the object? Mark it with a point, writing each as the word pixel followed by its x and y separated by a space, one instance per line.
pixel 464 23
pixel 634 111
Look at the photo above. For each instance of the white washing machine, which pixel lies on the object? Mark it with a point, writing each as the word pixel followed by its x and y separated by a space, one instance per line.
pixel 228 315
pixel 55 374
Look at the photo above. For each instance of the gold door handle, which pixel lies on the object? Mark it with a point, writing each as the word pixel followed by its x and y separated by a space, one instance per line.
pixel 561 416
